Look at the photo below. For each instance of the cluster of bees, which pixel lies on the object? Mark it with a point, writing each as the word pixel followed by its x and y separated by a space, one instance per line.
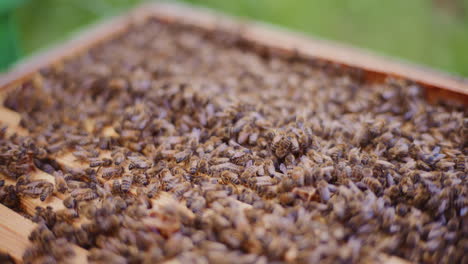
pixel 194 148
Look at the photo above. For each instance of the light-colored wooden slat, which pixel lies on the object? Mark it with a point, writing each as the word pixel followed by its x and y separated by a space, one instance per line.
pixel 392 260
pixel 11 119
pixel 14 233
pixel 81 255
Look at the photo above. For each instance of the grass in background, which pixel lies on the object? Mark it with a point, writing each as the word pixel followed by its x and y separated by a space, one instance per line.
pixel 414 30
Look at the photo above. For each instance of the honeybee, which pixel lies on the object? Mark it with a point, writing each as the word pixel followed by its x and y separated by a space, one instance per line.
pixel 400 149
pixel 96 162
pixel 138 162
pixel 269 167
pixel 203 166
pixel 323 190
pixel 294 143
pixel 240 157
pixel 140 179
pixel 152 189
pixel 373 184
pixel 183 155
pixel 118 156
pixel 305 193
pixel 84 194
pixel 286 198
pixel 281 145
pixel 39 188
pixel 60 183
pixel 81 155
pixel 194 161
pixel 231 177
pixel 67 215
pixel 109 173
pixel 69 202
pixel 127 181
pixel 248 173
pixel 337 151
pixel 116 187
pixel 461 164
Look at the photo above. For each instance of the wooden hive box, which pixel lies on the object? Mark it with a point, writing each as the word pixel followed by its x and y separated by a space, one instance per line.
pixel 14 229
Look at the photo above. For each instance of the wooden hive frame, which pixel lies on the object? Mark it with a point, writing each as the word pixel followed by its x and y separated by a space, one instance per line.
pixel 14 229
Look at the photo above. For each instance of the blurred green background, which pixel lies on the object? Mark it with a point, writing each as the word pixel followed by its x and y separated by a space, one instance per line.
pixel 429 32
